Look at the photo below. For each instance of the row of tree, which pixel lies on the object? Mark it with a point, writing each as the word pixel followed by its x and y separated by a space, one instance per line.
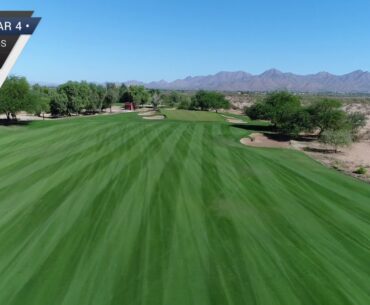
pixel 70 98
pixel 324 117
pixel 83 97
pixel 205 101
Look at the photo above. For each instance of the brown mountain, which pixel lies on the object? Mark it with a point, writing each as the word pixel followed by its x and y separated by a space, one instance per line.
pixel 271 80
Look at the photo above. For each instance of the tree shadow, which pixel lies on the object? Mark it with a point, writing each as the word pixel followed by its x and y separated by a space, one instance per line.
pixel 277 137
pixel 5 122
pixel 320 150
pixel 272 133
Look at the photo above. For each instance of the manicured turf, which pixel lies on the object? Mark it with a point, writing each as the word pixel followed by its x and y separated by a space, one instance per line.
pixel 118 210
pixel 192 116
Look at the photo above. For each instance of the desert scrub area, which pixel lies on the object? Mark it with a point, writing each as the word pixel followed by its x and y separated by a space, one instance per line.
pixel 120 210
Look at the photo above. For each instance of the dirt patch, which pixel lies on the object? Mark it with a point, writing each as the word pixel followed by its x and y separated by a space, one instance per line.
pixel 261 140
pixel 25 117
pixel 154 117
pixel 347 160
pixel 233 120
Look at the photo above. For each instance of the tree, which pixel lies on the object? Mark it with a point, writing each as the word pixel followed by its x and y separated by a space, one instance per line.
pixel 280 107
pixel 205 101
pixel 219 101
pixel 126 98
pixel 185 102
pixel 155 98
pixel 59 104
pixel 14 96
pixel 77 94
pixel 39 100
pixel 39 104
pixel 284 110
pixel 355 122
pixel 257 111
pixel 139 94
pixel 327 115
pixel 176 99
pixel 121 91
pixel 111 97
pixel 201 101
pixel 336 138
pixel 96 98
pixel 295 122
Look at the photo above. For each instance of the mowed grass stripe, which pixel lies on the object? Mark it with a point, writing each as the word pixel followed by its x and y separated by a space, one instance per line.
pixel 229 282
pixel 74 229
pixel 288 190
pixel 56 158
pixel 176 213
pixel 73 182
pixel 290 213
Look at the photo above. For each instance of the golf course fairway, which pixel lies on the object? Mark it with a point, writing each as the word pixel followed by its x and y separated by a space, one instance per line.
pixel 113 210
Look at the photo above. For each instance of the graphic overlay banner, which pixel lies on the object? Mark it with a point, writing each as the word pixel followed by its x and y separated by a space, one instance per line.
pixel 16 28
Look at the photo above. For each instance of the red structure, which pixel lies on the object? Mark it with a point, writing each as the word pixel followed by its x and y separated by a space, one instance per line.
pixel 130 106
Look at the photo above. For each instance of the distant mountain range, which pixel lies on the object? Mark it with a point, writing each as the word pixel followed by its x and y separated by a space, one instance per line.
pixel 271 80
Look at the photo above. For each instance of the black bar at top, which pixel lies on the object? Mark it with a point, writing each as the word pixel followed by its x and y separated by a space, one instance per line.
pixel 16 13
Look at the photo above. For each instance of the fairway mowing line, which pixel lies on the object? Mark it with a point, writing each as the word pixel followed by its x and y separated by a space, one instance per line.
pixel 293 199
pixel 188 221
pixel 72 213
pixel 138 238
pixel 178 212
pixel 56 158
pixel 222 234
pixel 23 147
pixel 50 178
pixel 40 137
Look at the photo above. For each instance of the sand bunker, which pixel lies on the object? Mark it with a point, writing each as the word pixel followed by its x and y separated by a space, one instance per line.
pixel 260 140
pixel 148 113
pixel 154 117
pixel 233 120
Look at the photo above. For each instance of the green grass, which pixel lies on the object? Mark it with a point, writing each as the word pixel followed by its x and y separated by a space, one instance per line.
pixel 117 210
pixel 192 116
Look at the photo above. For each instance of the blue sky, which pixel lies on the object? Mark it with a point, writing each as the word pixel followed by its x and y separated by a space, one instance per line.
pixel 152 40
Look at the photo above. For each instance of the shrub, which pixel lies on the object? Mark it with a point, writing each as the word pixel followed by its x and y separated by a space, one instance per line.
pixel 327 115
pixel 336 138
pixel 355 122
pixel 361 171
pixel 256 112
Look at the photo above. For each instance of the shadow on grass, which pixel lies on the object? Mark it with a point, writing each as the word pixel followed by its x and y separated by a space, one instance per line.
pixel 4 122
pixel 272 133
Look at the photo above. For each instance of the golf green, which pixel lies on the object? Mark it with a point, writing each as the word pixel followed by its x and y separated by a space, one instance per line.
pixel 194 116
pixel 118 210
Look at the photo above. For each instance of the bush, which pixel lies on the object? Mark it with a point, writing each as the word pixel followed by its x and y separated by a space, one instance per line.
pixel 336 138
pixel 205 101
pixel 184 104
pixel 257 112
pixel 355 122
pixel 361 171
